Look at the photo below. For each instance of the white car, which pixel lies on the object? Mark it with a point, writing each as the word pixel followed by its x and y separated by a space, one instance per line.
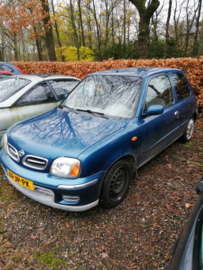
pixel 24 96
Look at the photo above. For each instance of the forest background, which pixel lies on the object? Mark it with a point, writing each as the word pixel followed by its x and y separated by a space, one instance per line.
pixel 96 30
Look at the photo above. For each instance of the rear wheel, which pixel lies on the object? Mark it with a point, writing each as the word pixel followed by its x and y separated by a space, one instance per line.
pixel 116 183
pixel 187 135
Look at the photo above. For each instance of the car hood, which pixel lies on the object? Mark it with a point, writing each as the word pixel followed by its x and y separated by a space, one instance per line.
pixel 61 133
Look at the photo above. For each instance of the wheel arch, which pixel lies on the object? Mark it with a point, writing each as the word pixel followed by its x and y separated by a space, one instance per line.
pixel 129 158
pixel 104 196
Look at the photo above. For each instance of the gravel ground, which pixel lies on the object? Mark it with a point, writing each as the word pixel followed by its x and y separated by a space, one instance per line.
pixel 138 234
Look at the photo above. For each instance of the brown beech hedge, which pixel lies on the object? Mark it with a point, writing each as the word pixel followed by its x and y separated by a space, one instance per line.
pixel 192 67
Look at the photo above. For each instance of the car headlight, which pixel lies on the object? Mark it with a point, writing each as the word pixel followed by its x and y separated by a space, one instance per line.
pixel 4 142
pixel 65 167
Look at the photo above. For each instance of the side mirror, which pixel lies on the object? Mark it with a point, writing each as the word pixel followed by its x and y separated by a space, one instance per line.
pixel 154 110
pixel 65 95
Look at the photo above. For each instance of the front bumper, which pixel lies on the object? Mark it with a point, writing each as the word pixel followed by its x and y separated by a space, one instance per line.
pixel 67 194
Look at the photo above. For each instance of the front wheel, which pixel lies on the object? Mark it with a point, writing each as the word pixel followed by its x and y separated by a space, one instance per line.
pixel 187 135
pixel 116 183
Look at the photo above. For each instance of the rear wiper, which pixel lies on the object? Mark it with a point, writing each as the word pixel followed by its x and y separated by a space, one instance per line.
pixel 92 112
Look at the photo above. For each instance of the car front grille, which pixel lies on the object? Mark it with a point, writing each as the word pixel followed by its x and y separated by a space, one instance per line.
pixel 35 162
pixel 13 153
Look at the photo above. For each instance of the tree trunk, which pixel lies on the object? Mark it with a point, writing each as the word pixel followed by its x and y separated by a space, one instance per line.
pixel 112 31
pixel 98 31
pixel 195 48
pixel 48 32
pixel 106 25
pixel 143 39
pixel 23 46
pixel 2 46
pixel 15 47
pixel 74 29
pixel 200 51
pixel 124 29
pixel 81 23
pixel 167 30
pixel 155 35
pixel 38 46
pixel 189 26
pixel 57 31
pixel 89 28
pixel 145 16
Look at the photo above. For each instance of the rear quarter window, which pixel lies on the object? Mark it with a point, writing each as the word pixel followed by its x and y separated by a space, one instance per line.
pixel 181 86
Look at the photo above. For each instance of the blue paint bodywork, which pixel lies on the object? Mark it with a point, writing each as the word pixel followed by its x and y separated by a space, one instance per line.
pixel 11 68
pixel 96 141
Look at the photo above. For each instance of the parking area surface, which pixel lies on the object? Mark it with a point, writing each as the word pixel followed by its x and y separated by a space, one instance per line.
pixel 138 234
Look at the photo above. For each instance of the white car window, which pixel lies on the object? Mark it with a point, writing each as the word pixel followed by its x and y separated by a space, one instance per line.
pixel 63 87
pixel 38 94
pixel 10 86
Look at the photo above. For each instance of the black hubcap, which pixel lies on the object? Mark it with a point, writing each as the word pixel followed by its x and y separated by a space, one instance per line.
pixel 117 183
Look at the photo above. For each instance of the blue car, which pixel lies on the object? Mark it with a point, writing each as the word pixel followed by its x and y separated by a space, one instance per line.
pixel 188 249
pixel 86 150
pixel 5 66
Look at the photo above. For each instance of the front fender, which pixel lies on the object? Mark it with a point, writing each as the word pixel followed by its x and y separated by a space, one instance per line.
pixel 106 152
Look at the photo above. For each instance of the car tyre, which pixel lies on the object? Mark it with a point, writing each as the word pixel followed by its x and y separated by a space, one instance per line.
pixel 116 184
pixel 187 135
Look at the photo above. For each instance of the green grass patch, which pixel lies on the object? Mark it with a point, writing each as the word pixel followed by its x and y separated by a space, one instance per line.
pixel 6 191
pixel 50 259
pixel 196 163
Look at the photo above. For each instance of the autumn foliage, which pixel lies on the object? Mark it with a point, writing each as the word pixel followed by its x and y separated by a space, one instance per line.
pixel 192 67
pixel 18 15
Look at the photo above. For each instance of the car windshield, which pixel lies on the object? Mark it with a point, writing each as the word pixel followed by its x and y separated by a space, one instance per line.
pixel 10 86
pixel 114 95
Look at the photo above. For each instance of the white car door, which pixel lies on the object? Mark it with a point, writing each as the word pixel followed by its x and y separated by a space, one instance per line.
pixel 37 100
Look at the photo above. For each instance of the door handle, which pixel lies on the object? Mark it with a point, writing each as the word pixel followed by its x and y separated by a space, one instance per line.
pixel 176 113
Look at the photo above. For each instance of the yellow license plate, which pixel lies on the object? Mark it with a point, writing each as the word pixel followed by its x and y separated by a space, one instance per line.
pixel 21 181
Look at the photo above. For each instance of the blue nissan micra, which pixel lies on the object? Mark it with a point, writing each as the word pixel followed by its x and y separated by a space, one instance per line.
pixel 87 149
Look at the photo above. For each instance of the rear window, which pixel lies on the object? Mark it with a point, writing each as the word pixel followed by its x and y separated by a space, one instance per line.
pixel 10 86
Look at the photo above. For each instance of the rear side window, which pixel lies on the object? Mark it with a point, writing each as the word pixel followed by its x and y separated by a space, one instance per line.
pixel 6 68
pixel 181 86
pixel 39 94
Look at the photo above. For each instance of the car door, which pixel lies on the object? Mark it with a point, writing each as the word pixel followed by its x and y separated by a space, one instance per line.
pixel 37 100
pixel 158 131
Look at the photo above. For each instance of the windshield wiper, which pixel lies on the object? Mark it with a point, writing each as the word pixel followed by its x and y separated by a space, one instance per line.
pixel 92 112
pixel 69 108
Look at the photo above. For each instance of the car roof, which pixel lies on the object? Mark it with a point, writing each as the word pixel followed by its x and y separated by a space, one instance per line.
pixel 131 71
pixel 57 76
pixel 6 63
pixel 42 77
